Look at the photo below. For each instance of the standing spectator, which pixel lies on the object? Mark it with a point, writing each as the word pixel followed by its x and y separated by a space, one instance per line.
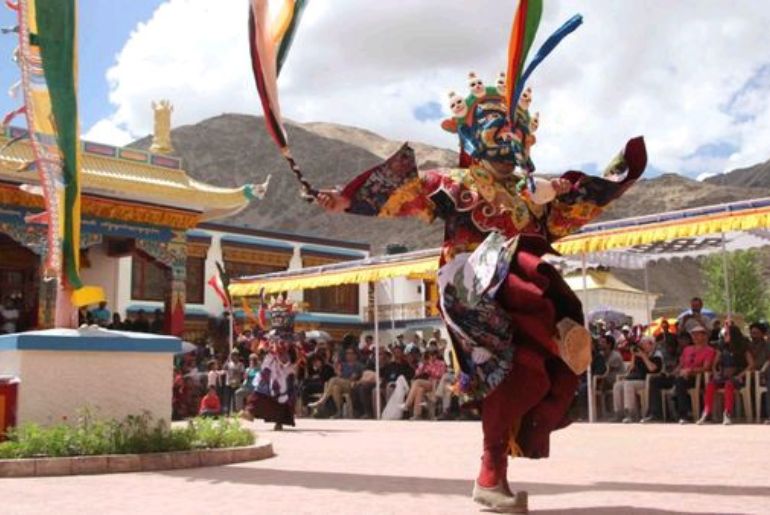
pixel 693 317
pixel 249 382
pixel 427 376
pixel 101 315
pixel 212 376
pixel 665 338
pixel 696 359
pixel 348 372
pixel 210 406
pixel 646 361
pixel 733 363
pixel 156 326
pixel 234 373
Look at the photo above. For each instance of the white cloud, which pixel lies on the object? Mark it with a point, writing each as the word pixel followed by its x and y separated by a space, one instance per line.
pixel 107 131
pixel 669 70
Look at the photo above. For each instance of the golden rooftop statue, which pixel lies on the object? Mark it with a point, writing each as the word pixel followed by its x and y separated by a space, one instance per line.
pixel 161 137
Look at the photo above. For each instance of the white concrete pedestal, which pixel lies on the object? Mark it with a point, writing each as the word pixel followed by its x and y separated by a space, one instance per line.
pixel 114 373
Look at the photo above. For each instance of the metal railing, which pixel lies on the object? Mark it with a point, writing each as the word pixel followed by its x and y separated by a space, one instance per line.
pixel 403 311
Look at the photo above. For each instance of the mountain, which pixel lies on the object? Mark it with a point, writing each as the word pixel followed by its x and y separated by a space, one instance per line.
pixel 234 149
pixel 757 176
pixel 428 156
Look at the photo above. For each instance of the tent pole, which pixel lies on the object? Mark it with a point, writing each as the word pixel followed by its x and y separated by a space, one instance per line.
pixel 392 307
pixel 589 377
pixel 647 293
pixel 725 272
pixel 377 352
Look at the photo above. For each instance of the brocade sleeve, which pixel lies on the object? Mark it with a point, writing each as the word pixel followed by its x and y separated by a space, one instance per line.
pixel 391 189
pixel 591 195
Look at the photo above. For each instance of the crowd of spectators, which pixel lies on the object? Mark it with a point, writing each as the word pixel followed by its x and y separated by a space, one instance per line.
pixel 690 361
pixel 137 321
pixel 673 371
pixel 336 379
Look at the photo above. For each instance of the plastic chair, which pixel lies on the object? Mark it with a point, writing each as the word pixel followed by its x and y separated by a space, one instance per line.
pixel 694 392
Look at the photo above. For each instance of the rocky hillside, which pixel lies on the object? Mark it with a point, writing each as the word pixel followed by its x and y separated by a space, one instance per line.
pixel 231 150
pixel 757 176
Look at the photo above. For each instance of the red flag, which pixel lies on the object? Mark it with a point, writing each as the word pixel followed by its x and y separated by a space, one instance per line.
pixel 216 284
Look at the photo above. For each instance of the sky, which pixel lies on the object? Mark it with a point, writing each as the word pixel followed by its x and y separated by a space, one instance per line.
pixel 692 76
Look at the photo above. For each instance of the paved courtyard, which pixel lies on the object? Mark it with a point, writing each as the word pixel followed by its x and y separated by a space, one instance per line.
pixel 355 467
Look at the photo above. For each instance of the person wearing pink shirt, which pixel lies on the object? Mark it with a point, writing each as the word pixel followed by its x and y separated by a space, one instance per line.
pixel 428 374
pixel 695 359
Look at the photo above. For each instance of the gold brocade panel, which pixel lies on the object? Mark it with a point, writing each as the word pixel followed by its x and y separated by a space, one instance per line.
pixel 255 256
pixel 197 250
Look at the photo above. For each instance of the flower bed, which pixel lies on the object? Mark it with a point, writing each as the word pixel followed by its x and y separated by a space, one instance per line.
pixel 136 434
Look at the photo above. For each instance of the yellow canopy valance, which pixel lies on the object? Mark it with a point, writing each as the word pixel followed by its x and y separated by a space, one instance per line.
pixel 626 237
pixel 333 275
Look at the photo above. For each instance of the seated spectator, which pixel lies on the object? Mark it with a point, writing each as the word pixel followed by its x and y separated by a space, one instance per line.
pixel 157 326
pixel 101 315
pixel 210 406
pixel 348 372
pixel 317 373
pixel 646 361
pixel 366 349
pixel 758 345
pixel 116 324
pixel 249 382
pixel 612 359
pixel 362 391
pixel 671 352
pixel 428 374
pixel 716 331
pixel 624 342
pixel 140 323
pixel 696 359
pixel 732 364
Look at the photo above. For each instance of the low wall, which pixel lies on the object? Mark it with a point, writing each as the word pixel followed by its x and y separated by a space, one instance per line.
pixel 114 374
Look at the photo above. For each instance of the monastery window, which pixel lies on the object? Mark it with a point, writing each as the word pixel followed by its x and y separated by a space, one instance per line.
pixel 343 299
pixel 149 279
pixel 196 273
pixel 333 299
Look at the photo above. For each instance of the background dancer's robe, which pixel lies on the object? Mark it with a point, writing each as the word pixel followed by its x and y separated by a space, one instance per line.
pixel 500 301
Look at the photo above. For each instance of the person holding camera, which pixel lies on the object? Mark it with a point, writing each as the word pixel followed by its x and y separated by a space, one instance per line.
pixel 646 360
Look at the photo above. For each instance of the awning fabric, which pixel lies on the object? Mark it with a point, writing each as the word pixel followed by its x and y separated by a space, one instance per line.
pixel 626 243
pixel 351 272
pixel 744 216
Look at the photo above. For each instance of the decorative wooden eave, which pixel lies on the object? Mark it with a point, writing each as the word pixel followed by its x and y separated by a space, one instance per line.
pixel 130 176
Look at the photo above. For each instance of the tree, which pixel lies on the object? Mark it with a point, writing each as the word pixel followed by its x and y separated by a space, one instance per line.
pixel 748 287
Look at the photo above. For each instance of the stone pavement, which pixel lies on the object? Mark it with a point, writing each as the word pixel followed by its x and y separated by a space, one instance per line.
pixel 347 466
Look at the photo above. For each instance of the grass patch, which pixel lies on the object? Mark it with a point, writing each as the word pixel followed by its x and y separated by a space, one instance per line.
pixel 136 434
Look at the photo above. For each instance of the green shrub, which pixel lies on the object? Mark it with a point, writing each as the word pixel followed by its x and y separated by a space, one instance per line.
pixel 136 434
